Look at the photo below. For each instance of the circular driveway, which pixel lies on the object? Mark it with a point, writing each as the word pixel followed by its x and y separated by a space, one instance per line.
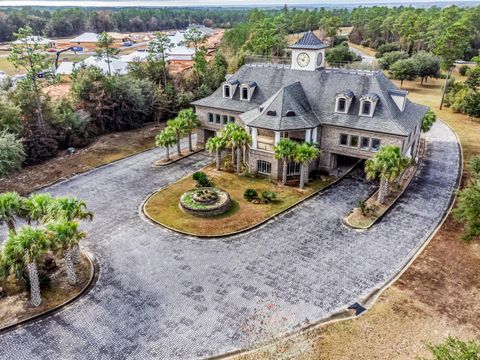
pixel 163 295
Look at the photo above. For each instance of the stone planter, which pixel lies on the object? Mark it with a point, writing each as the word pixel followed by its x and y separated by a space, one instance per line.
pixel 195 202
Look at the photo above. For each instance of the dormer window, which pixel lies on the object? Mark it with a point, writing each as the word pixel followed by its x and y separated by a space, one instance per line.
pixel 342 105
pixel 366 108
pixel 226 91
pixel 271 113
pixel 244 93
pixel 343 101
pixel 368 103
pixel 290 113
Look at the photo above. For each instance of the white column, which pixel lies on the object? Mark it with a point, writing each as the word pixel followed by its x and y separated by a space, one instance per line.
pixel 254 137
pixel 314 134
pixel 308 135
pixel 277 137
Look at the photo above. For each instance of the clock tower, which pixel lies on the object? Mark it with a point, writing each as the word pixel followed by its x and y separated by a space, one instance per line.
pixel 308 53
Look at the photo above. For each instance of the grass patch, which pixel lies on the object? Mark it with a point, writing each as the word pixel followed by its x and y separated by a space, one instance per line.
pixel 163 207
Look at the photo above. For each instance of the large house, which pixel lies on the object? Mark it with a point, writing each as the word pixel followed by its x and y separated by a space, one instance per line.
pixel 348 113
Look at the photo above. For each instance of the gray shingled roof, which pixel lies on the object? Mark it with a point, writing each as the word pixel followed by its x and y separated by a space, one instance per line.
pixel 308 41
pixel 288 109
pixel 320 88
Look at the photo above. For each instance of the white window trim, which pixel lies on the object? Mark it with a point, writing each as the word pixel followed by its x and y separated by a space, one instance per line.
pixel 372 108
pixel 225 86
pixel 242 87
pixel 337 103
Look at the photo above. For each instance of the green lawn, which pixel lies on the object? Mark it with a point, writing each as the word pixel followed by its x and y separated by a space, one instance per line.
pixel 163 206
pixel 9 69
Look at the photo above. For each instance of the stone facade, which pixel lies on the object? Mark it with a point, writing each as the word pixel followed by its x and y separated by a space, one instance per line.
pixel 208 129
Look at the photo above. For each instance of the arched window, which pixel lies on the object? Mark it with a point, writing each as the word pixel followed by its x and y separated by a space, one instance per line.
pixel 342 105
pixel 271 113
pixel 366 107
pixel 290 113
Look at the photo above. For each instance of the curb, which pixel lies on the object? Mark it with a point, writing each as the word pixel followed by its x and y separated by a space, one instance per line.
pixel 369 300
pixel 196 151
pixel 94 274
pixel 378 219
pixel 144 214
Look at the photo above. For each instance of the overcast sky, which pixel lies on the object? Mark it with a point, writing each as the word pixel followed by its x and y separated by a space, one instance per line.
pixel 202 2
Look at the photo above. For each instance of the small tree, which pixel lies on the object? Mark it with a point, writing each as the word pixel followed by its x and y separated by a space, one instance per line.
pixel 455 349
pixel 388 164
pixel 201 179
pixel 39 207
pixel 26 247
pixel 468 210
pixel 216 145
pixel 30 54
pixel 105 49
pixel 341 54
pixel 240 139
pixel 285 151
pixel 474 165
pixel 403 70
pixel 391 58
pixel 12 154
pixel 157 49
pixel 194 37
pixel 191 121
pixel 250 194
pixel 427 65
pixel 305 153
pixel 471 104
pixel 428 120
pixel 226 134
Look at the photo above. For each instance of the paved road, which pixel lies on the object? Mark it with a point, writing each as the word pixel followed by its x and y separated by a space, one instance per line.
pixel 166 296
pixel 366 59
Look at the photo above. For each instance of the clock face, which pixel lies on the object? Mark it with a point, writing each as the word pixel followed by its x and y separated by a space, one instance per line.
pixel 319 59
pixel 303 59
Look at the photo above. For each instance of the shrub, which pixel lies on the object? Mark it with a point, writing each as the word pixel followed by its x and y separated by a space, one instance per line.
pixel 342 54
pixel 71 127
pixel 269 196
pixel 475 165
pixel 468 210
pixel 201 179
pixel 10 117
pixel 454 348
pixel 463 70
pixel 250 194
pixel 428 120
pixel 12 154
pixel 39 145
pixel 386 48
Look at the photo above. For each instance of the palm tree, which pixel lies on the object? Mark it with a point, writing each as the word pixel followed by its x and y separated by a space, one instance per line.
pixel 11 206
pixel 166 139
pixel 191 123
pixel 388 164
pixel 216 145
pixel 227 132
pixel 304 154
pixel 39 207
pixel 66 236
pixel 179 126
pixel 240 139
pixel 69 208
pixel 26 247
pixel 285 150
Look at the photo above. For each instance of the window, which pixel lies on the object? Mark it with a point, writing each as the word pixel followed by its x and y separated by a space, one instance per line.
pixel 365 143
pixel 344 139
pixel 354 141
pixel 218 119
pixel 375 144
pixel 271 113
pixel 224 119
pixel 290 113
pixel 244 93
pixel 366 106
pixel 342 105
pixel 226 91
pixel 293 168
pixel 264 167
pixel 231 119
pixel 210 117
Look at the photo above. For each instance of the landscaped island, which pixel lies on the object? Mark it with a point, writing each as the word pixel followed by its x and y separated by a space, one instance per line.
pixel 163 207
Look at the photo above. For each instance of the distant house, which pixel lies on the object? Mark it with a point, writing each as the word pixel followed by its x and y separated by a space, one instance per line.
pixel 117 66
pixel 349 114
pixel 139 56
pixel 87 39
pixel 202 28
pixel 36 40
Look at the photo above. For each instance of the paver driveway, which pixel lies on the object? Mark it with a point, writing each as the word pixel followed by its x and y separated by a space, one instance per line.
pixel 163 295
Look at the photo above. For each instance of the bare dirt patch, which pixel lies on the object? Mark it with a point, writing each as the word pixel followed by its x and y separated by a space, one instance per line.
pixel 105 149
pixel 15 305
